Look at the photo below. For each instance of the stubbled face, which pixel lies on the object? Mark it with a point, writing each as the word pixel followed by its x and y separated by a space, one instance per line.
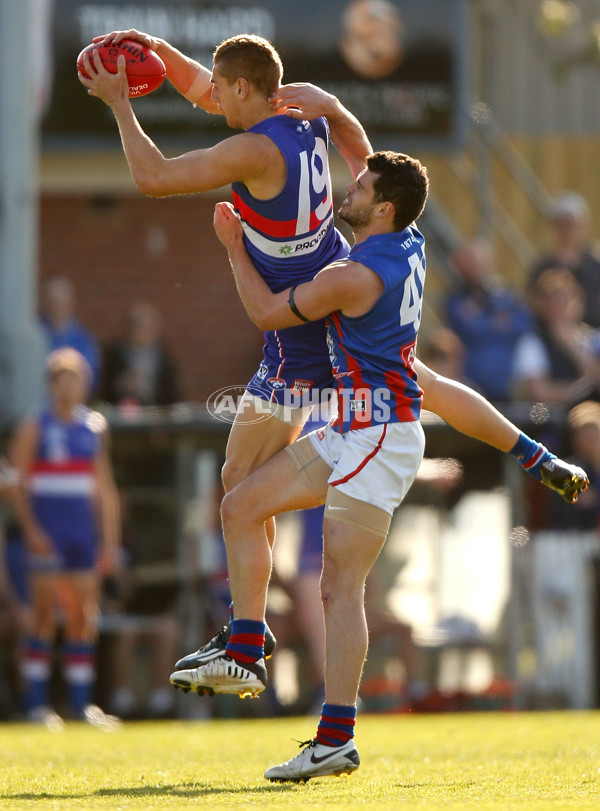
pixel 358 205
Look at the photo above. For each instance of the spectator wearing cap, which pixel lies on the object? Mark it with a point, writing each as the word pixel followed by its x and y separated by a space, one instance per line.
pixel 569 220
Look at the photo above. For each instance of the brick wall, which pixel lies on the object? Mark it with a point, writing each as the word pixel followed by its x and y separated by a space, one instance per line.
pixel 118 250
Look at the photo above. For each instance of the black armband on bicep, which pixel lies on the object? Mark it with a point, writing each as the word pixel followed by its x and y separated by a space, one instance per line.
pixel 293 306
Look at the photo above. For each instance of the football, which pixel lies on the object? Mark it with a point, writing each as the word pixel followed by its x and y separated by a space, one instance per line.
pixel 145 69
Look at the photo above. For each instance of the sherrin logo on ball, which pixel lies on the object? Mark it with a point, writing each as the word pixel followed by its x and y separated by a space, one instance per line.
pixel 145 69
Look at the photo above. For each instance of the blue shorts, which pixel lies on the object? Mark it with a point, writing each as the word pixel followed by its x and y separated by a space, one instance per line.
pixel 17 565
pixel 70 554
pixel 295 363
pixel 71 524
pixel 310 558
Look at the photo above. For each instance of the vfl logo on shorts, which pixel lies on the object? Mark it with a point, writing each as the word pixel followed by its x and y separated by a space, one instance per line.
pixel 301 385
pixel 277 383
pixel 263 371
pixel 358 405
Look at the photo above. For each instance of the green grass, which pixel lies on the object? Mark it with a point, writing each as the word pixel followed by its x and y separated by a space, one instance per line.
pixel 480 761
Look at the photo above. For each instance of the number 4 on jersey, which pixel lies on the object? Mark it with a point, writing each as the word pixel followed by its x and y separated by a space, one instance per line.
pixel 410 309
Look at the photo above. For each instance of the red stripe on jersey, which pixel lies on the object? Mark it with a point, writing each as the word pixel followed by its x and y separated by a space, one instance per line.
pixel 285 229
pixel 69 466
pixel 315 222
pixel 355 373
pixel 356 470
pixel 403 409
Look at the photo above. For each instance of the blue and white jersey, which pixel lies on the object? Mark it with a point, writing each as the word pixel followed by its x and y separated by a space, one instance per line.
pixel 372 355
pixel 62 479
pixel 292 236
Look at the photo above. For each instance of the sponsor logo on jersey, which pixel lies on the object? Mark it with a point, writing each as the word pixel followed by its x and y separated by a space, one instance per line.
pixel 408 354
pixel 276 382
pixel 299 386
pixel 291 247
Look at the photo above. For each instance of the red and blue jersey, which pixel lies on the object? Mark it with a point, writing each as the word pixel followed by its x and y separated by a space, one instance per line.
pixel 62 479
pixel 289 239
pixel 292 236
pixel 372 355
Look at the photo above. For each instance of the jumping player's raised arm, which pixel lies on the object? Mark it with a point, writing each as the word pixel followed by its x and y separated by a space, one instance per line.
pixel 304 100
pixel 248 157
pixel 187 76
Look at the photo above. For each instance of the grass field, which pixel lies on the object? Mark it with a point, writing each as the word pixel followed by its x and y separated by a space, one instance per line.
pixel 479 761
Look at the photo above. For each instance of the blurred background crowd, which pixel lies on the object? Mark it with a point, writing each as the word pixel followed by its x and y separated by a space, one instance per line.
pixel 488 592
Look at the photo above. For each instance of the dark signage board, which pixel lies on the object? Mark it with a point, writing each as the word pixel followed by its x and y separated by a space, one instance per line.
pixel 400 66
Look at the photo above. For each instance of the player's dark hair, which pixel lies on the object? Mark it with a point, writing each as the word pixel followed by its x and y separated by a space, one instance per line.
pixel 252 58
pixel 402 181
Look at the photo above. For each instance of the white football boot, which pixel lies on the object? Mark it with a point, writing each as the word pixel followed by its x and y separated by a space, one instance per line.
pixel 223 675
pixel 317 760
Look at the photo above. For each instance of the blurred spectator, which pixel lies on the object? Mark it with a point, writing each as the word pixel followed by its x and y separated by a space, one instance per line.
pixel 142 618
pixel 67 511
pixel 569 220
pixel 149 622
pixel 445 353
pixel 584 443
pixel 61 327
pixel 138 369
pixel 303 621
pixel 553 362
pixel 487 317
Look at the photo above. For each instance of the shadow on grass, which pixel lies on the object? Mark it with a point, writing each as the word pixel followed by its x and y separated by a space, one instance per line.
pixel 181 790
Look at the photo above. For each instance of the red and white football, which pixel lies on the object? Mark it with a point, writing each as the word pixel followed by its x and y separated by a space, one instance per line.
pixel 145 69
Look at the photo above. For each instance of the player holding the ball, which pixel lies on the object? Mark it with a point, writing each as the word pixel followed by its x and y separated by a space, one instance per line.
pixel 278 168
pixel 281 188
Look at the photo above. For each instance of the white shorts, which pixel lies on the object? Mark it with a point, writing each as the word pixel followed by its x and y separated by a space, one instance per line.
pixel 376 465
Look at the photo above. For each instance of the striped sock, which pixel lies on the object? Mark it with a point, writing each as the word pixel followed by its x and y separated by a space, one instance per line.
pixel 531 455
pixel 80 673
pixel 247 640
pixel 36 668
pixel 336 725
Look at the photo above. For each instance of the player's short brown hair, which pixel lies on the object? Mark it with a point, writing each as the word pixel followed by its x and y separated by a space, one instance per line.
pixel 67 359
pixel 402 181
pixel 252 58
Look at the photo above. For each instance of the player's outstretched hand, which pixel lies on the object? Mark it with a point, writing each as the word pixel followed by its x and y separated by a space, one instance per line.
pixel 227 225
pixel 109 87
pixel 132 33
pixel 303 100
